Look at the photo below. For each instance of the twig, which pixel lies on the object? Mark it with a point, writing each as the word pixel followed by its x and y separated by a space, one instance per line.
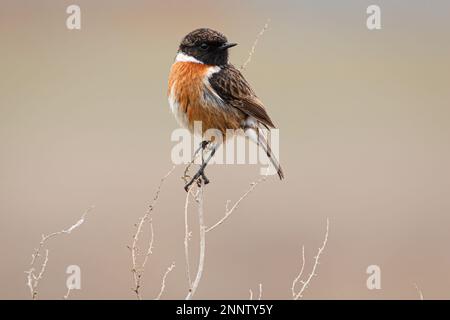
pixel 163 282
pixel 138 269
pixel 306 283
pixel 252 51
pixel 187 237
pixel 198 196
pixel 228 211
pixel 260 291
pixel 296 280
pixel 419 291
pixel 202 227
pixel 69 290
pixel 32 278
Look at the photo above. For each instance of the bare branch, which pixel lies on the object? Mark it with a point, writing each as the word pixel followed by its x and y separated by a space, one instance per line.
pixel 187 237
pixel 306 283
pixel 252 51
pixel 260 291
pixel 69 290
pixel 32 278
pixel 202 227
pixel 139 268
pixel 419 291
pixel 228 211
pixel 296 280
pixel 163 282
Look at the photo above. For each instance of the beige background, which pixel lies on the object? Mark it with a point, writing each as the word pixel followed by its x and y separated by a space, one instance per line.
pixel 364 123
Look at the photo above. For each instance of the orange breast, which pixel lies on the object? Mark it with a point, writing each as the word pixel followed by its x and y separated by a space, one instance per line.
pixel 188 77
pixel 187 85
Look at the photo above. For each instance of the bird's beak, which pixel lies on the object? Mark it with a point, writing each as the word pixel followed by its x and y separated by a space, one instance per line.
pixel 227 45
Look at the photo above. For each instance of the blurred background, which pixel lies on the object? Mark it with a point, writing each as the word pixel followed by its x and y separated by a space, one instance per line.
pixel 364 127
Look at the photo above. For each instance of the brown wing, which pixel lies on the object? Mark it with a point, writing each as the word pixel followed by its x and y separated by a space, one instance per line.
pixel 231 86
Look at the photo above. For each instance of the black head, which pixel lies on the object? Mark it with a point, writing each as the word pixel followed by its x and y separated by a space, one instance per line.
pixel 207 46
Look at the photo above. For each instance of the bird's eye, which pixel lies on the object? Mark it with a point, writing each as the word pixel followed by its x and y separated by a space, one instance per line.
pixel 204 46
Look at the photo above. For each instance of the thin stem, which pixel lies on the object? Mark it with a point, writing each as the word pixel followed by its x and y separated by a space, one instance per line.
pixel 201 261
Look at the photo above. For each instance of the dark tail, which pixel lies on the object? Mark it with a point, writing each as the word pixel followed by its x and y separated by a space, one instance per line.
pixel 263 143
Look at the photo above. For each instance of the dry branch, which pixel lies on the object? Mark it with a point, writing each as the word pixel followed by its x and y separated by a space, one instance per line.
pixel 202 228
pixel 187 236
pixel 69 290
pixel 418 291
pixel 305 283
pixel 138 268
pixel 198 196
pixel 297 279
pixel 163 282
pixel 260 292
pixel 252 50
pixel 228 211
pixel 33 277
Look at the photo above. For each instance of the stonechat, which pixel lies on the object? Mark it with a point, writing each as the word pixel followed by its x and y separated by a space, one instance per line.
pixel 204 87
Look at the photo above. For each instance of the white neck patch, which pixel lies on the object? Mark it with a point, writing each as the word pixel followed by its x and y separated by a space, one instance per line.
pixel 182 57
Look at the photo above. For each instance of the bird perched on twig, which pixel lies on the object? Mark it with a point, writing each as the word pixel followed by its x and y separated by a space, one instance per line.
pixel 204 87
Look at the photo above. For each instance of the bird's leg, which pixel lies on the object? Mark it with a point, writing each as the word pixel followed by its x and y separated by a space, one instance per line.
pixel 201 171
pixel 202 146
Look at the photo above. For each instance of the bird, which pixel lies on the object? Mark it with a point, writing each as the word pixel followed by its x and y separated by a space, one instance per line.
pixel 204 86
